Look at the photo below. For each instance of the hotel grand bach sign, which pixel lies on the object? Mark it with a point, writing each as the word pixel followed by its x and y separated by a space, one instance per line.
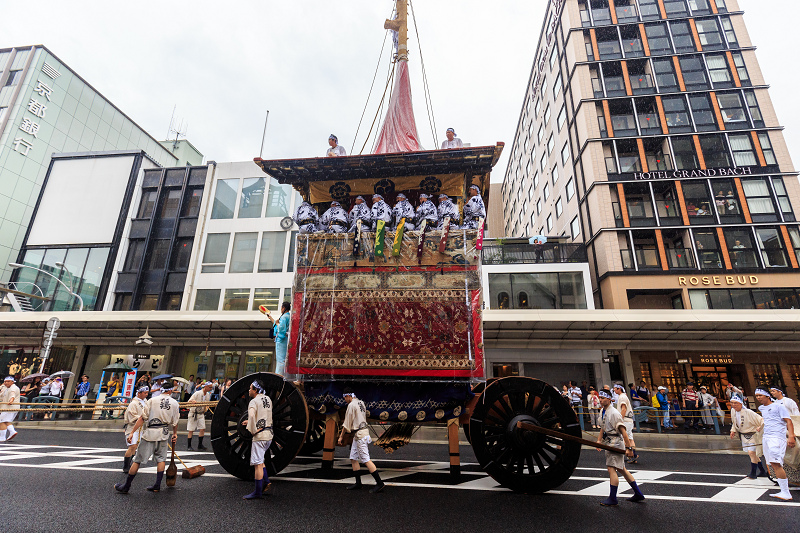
pixel 725 172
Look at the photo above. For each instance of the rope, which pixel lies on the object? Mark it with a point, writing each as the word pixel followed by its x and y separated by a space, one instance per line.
pixel 426 88
pixel 389 80
pixel 116 406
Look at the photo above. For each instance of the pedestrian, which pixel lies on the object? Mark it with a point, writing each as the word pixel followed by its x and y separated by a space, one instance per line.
pixel 9 399
pixel 778 434
pixel 159 415
pixel 355 421
pixel 197 416
pixel 690 407
pixel 614 433
pixel 56 388
pixel 663 405
pixel 787 402
pixel 132 414
pixel 259 424
pixel 636 400
pixel 225 386
pixel 710 406
pixel 575 395
pixel 281 330
pixel 623 405
pixel 594 408
pixel 747 425
pixel 190 388
pixel 644 393
pixel 82 390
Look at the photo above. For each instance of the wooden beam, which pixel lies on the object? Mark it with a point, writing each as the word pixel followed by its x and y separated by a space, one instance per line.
pixel 626 77
pixel 661 115
pixel 700 158
pixel 329 447
pixel 527 426
pixel 662 253
pixel 623 206
pixel 735 72
pixel 696 35
pixel 642 155
pixel 452 445
pixel 682 202
pixel 759 151
pixel 742 200
pixel 607 114
pixel 726 257
pixel 789 247
pixel 717 111
pixel 679 73
pixel 645 44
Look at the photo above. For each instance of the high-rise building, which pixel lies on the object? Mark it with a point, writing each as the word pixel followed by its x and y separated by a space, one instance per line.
pixel 47 108
pixel 647 133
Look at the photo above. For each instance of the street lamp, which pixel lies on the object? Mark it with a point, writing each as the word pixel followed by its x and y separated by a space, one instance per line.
pixel 69 289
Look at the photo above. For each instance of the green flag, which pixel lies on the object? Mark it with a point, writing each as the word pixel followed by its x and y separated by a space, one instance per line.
pixel 380 233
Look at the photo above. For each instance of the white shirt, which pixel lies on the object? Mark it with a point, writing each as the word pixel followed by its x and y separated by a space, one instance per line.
pixel 790 405
pixel 622 399
pixel 355 419
pixel 161 415
pixel 55 388
pixel 199 396
pixel 259 417
pixel 337 151
pixel 773 414
pixel 575 395
pixel 455 143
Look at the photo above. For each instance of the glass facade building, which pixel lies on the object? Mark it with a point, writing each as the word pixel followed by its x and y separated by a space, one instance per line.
pixel 47 108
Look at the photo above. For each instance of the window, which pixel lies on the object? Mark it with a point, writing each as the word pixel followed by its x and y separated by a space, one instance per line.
pixel 683 149
pixel 676 8
pixel 147 203
pixel 755 112
pixel 570 189
pixel 553 56
pixel 694 73
pixel 290 259
pixel 575 227
pixel 740 247
pixel 766 147
pixel 715 151
pixel 710 36
pixel 759 199
pixel 3 111
pixel 771 245
pixel 147 302
pixel 215 254
pixel 537 107
pixel 565 153
pixel 171 203
pixel 13 78
pixel 547 115
pixel 743 153
pixel 546 290
pixel 243 255
pixel 540 134
pixel 535 180
pixel 719 71
pixel 700 7
pixel 730 35
pixel 236 300
pixel 172 302
pixel 539 206
pixel 551 142
pixel 732 108
pixel 677 114
pixel 543 162
pixel 181 253
pixel 783 199
pixel 682 37
pixel 252 199
pixel 225 198
pixel 728 206
pixel 658 39
pixel 559 208
pixel 698 202
pixel 557 86
pixel 702 112
pixel 268 298
pixel 544 87
pixel 122 302
pixel 562 117
pixel 649 9
pixel 665 75
pixel 546 191
pixel 554 175
pixel 741 69
pixel 134 257
pixel 191 206
pixel 707 250
pixel 278 199
pixel 549 222
pixel 721 6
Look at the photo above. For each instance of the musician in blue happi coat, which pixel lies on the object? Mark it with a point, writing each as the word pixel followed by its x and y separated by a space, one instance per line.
pixel 426 211
pixel 334 220
pixel 403 209
pixel 360 212
pixel 447 209
pixel 306 218
pixel 474 209
pixel 380 211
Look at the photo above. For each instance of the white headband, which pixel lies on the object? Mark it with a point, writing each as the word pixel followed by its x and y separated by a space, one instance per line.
pixel 762 392
pixel 736 398
pixel 257 387
pixel 10 378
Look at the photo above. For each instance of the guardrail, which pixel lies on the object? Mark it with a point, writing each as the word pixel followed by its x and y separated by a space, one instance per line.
pixel 646 414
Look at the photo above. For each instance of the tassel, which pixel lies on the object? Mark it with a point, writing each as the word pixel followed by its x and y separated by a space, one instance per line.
pixel 397 436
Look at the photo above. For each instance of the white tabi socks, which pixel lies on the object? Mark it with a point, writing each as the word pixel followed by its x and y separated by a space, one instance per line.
pixel 784 494
pixel 3 435
pixel 11 432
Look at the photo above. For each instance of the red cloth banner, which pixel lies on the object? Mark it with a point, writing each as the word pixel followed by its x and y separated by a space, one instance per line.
pixel 399 131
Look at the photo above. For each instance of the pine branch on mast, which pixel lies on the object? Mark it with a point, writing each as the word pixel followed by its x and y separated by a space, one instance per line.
pixel 399 130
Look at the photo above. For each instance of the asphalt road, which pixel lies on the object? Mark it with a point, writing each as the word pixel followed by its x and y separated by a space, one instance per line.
pixel 59 481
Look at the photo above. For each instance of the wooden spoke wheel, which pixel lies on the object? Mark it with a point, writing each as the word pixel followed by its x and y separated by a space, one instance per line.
pixel 522 460
pixel 315 439
pixel 478 389
pixel 232 441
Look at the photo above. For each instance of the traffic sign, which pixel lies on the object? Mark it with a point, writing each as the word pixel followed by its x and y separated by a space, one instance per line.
pixel 53 324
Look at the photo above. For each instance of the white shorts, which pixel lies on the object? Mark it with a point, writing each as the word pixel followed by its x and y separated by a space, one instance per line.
pixel 774 449
pixel 359 450
pixel 258 450
pixel 749 444
pixel 196 422
pixel 134 437
pixel 8 416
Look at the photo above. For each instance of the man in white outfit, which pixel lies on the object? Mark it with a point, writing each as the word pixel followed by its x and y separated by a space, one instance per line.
pixel 787 402
pixel 778 434
pixel 355 421
pixel 335 149
pixel 132 414
pixel 259 424
pixel 452 141
pixel 9 399
pixel 197 415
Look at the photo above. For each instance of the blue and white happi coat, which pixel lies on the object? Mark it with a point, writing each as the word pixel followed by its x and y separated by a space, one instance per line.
pixel 403 209
pixel 447 209
pixel 334 220
pixel 474 210
pixel 361 212
pixel 381 211
pixel 427 211
pixel 306 218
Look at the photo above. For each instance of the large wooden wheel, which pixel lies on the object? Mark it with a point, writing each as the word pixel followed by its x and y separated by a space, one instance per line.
pixel 524 461
pixel 315 438
pixel 232 441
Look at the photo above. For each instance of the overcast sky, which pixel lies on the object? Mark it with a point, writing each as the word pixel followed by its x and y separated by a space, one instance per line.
pixel 310 63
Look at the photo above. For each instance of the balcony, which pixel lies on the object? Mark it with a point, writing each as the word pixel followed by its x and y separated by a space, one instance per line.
pixel 626 14
pixel 709 259
pixel 668 213
pixel 642 84
pixel 617 215
pixel 601 15
pixel 646 258
pixel 585 20
pixel 611 166
pixel 505 254
pixel 629 163
pixel 658 162
pixel 601 122
pixel 589 52
pixel 609 50
pixel 624 126
pixel 633 48
pixel 650 124
pixel 744 258
pixel 615 86
pixel 680 258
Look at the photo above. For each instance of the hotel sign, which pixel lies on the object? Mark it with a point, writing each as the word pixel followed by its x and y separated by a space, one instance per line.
pixel 726 172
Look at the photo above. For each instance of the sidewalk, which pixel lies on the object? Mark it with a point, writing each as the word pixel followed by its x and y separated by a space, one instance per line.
pixel 674 441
